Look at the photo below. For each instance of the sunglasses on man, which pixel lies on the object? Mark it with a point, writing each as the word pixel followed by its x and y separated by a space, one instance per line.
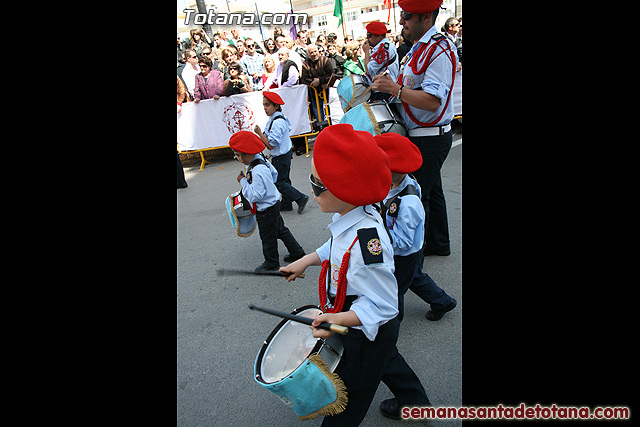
pixel 405 15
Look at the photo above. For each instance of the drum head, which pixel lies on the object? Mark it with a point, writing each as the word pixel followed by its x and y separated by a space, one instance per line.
pixel 292 343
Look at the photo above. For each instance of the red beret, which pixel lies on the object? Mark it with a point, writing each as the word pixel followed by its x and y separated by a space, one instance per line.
pixel 273 97
pixel 351 165
pixel 404 155
pixel 376 27
pixel 246 142
pixel 419 6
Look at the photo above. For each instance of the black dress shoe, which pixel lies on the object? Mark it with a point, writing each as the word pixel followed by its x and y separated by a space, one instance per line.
pixel 390 409
pixel 303 203
pixel 437 315
pixel 291 258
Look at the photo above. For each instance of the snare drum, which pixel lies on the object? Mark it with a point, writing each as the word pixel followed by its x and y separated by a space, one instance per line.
pixel 298 368
pixel 240 215
pixel 376 118
pixel 352 91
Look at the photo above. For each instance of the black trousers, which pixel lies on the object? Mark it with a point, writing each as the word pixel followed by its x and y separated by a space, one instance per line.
pixel 361 369
pixel 434 150
pixel 271 227
pixel 181 180
pixel 283 184
pixel 409 275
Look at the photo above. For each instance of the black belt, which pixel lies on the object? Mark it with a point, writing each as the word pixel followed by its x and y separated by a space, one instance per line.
pixel 349 299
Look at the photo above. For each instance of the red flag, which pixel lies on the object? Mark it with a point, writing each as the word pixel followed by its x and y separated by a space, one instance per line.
pixel 387 4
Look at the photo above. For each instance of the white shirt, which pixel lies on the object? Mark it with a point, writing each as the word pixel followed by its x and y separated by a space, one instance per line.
pixel 436 81
pixel 374 68
pixel 262 191
pixel 374 284
pixel 189 77
pixel 291 81
pixel 407 230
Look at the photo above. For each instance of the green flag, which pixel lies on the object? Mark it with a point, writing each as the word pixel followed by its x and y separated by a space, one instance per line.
pixel 337 11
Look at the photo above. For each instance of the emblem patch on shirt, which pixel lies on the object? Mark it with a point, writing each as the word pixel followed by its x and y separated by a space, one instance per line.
pixel 370 245
pixel 394 207
pixel 374 246
pixel 408 82
pixel 335 270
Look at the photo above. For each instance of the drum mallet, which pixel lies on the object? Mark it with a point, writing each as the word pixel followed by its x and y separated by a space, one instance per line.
pixel 239 272
pixel 301 319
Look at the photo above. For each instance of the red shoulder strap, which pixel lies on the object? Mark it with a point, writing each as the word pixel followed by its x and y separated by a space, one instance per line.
pixel 413 63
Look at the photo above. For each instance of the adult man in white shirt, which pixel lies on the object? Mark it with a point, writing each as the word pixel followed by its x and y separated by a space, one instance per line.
pixel 190 71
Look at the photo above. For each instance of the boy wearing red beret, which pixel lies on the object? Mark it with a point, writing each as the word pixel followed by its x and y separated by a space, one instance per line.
pixel 404 217
pixel 276 138
pixel 357 287
pixel 258 187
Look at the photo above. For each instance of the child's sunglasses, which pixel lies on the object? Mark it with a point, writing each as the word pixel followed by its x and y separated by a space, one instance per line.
pixel 317 189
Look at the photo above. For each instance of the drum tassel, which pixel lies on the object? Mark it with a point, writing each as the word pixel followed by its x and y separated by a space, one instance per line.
pixel 337 405
pixel 372 117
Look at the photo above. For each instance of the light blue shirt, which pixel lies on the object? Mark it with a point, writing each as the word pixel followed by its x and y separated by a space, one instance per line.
pixel 262 191
pixel 436 80
pixel 408 229
pixel 278 136
pixel 373 68
pixel 374 284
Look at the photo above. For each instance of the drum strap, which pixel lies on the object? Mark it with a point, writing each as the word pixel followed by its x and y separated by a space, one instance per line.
pixel 274 119
pixel 413 63
pixel 323 288
pixel 254 163
pixel 393 212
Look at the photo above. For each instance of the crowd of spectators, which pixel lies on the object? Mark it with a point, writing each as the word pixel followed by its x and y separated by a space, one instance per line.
pixel 226 65
pixel 244 64
pixel 209 68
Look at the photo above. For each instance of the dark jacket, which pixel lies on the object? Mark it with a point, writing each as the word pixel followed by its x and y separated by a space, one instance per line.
pixel 322 68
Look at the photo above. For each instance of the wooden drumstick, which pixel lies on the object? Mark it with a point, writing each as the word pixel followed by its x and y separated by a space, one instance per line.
pixel 342 330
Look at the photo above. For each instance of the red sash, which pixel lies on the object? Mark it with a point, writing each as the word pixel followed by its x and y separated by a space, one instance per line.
pixel 341 294
pixel 419 64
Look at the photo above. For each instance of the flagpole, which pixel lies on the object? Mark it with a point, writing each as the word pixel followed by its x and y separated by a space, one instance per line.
pixel 395 28
pixel 349 7
pixel 294 25
pixel 259 24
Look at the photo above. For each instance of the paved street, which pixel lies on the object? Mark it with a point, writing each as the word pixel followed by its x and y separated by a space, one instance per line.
pixel 219 337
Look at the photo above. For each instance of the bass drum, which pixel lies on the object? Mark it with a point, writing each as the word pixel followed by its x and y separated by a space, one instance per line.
pixel 353 90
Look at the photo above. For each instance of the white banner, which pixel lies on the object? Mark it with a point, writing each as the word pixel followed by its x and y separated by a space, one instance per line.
pixel 210 123
pixel 456 96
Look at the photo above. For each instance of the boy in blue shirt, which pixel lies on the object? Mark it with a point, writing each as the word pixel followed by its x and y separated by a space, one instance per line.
pixel 258 187
pixel 276 138
pixel 357 287
pixel 404 217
